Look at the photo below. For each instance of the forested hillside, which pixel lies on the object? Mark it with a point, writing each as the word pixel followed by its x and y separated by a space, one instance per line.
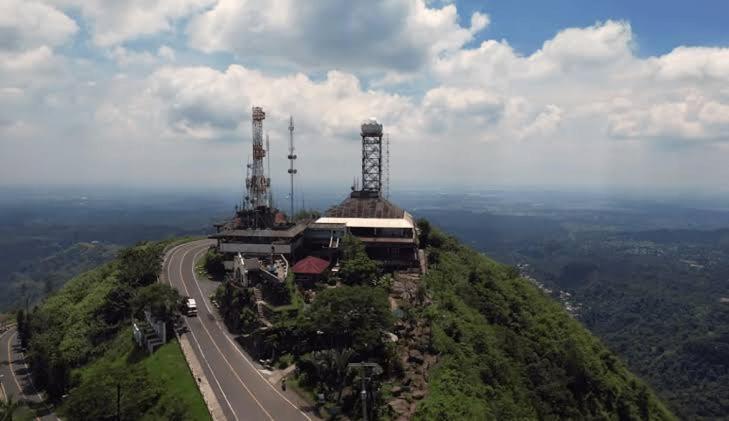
pixel 507 351
pixel 81 352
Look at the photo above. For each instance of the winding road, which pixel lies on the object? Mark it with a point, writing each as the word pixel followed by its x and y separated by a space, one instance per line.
pixel 15 377
pixel 241 389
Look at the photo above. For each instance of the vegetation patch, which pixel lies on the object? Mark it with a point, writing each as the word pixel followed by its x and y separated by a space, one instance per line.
pixel 80 344
pixel 507 351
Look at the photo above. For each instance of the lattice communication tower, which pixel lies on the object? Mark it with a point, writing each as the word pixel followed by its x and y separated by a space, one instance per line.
pixel 371 157
pixel 257 183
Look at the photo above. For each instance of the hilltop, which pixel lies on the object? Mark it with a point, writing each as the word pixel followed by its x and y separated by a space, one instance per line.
pixel 477 341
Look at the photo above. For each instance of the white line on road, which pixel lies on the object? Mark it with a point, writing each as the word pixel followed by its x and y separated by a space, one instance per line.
pixel 202 354
pixel 197 284
pixel 192 269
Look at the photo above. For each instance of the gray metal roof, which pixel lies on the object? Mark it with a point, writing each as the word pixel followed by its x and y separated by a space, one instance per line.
pixel 267 233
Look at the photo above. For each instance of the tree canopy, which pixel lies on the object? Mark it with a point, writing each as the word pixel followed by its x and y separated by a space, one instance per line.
pixel 350 317
pixel 356 267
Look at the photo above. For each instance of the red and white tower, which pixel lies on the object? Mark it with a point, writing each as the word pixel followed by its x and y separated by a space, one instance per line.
pixel 257 183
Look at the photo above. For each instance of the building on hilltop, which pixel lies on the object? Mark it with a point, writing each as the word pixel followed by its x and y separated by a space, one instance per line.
pixel 309 271
pixel 387 231
pixel 258 230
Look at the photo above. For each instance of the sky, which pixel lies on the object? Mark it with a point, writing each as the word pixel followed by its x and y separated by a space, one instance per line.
pixel 591 95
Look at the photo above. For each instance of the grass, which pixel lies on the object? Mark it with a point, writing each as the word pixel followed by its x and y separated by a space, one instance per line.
pixel 23 413
pixel 169 367
pixel 166 367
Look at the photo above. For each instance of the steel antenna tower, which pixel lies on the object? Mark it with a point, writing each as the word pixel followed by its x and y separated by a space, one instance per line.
pixel 257 184
pixel 292 158
pixel 268 171
pixel 387 166
pixel 372 157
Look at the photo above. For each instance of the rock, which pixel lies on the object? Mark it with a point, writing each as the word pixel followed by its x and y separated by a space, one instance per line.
pixel 396 390
pixel 417 381
pixel 418 394
pixel 413 407
pixel 430 360
pixel 399 406
pixel 415 356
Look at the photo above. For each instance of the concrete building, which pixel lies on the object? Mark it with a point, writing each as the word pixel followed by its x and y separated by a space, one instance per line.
pixel 387 231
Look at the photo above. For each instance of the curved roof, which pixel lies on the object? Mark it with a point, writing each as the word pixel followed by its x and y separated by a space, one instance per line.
pixel 310 266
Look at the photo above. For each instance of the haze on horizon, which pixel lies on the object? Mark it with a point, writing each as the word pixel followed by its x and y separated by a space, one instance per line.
pixel 139 93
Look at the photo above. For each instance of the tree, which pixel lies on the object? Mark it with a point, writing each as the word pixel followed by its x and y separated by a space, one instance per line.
pixel 357 268
pixel 161 300
pixel 23 322
pixel 353 317
pixel 96 397
pixel 7 408
pixel 306 215
pixel 139 265
pixel 213 263
pixel 424 230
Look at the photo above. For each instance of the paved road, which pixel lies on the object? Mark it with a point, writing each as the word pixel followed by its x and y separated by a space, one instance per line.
pixel 15 376
pixel 241 389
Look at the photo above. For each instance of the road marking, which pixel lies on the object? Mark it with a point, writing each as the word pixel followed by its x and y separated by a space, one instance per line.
pixel 202 323
pixel 12 370
pixel 10 363
pixel 202 354
pixel 224 332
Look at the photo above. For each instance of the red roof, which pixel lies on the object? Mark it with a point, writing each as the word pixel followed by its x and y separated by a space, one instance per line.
pixel 310 266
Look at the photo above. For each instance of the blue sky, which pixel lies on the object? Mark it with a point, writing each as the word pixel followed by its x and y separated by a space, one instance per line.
pixel 660 26
pixel 501 93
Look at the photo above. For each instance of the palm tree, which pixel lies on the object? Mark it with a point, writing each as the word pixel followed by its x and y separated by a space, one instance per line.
pixel 8 408
pixel 331 365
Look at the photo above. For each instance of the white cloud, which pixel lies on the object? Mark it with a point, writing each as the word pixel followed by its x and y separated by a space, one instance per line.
pixel 30 24
pixel 355 35
pixel 477 113
pixel 203 102
pixel 695 63
pixel 114 22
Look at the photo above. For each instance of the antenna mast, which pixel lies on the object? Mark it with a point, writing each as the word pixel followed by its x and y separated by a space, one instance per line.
pixel 292 158
pixel 257 184
pixel 387 166
pixel 268 171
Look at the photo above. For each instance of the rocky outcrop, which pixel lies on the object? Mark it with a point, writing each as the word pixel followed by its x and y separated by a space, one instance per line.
pixel 413 346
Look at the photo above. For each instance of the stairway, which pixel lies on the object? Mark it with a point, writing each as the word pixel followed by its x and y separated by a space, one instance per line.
pixel 261 306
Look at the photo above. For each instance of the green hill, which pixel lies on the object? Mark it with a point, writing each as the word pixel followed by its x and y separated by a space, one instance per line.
pixel 507 351
pixel 81 352
pixel 504 349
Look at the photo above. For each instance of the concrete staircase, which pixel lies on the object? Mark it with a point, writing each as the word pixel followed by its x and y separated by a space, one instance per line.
pixel 261 307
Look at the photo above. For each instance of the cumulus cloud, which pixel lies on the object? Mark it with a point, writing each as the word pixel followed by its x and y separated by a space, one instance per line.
pixel 114 22
pixel 30 24
pixel 354 35
pixel 460 111
pixel 204 102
